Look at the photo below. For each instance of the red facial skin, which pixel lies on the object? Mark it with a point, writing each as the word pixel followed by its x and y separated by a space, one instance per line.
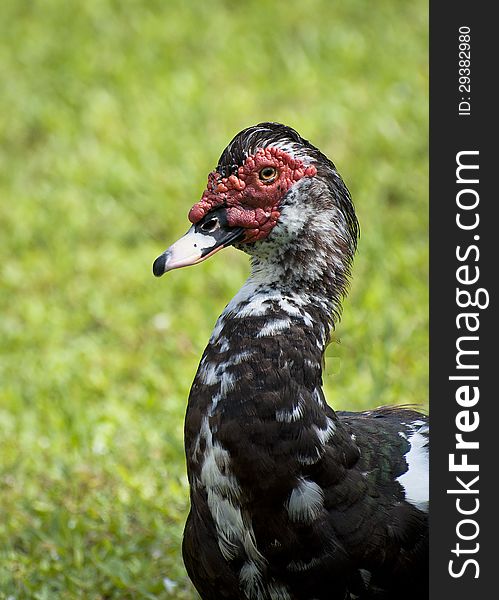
pixel 252 203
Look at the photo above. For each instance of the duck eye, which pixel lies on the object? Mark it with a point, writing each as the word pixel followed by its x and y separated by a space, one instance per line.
pixel 210 225
pixel 268 174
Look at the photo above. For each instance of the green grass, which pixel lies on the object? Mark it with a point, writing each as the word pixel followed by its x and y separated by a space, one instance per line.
pixel 111 115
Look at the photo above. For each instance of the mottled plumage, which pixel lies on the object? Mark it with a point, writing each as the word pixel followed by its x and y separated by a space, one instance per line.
pixel 290 500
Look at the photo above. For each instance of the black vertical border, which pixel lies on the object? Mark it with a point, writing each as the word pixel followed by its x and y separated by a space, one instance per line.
pixel 449 134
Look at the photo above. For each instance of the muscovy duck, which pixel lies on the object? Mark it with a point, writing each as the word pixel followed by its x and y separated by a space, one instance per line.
pixel 291 500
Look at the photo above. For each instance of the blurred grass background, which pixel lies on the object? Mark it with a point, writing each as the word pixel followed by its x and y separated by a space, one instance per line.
pixel 111 115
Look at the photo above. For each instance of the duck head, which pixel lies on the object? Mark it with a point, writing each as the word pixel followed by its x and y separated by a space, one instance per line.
pixel 275 196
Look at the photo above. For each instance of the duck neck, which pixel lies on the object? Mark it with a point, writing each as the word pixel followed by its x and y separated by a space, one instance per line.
pixel 270 305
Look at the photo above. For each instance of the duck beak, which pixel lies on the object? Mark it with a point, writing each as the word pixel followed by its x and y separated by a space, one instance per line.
pixel 203 239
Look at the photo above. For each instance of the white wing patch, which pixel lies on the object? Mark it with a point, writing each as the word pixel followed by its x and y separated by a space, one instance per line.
pixel 239 357
pixel 324 435
pixel 289 416
pixel 415 480
pixel 273 327
pixel 250 579
pixel 208 373
pixel 227 382
pixel 223 492
pixel 305 502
